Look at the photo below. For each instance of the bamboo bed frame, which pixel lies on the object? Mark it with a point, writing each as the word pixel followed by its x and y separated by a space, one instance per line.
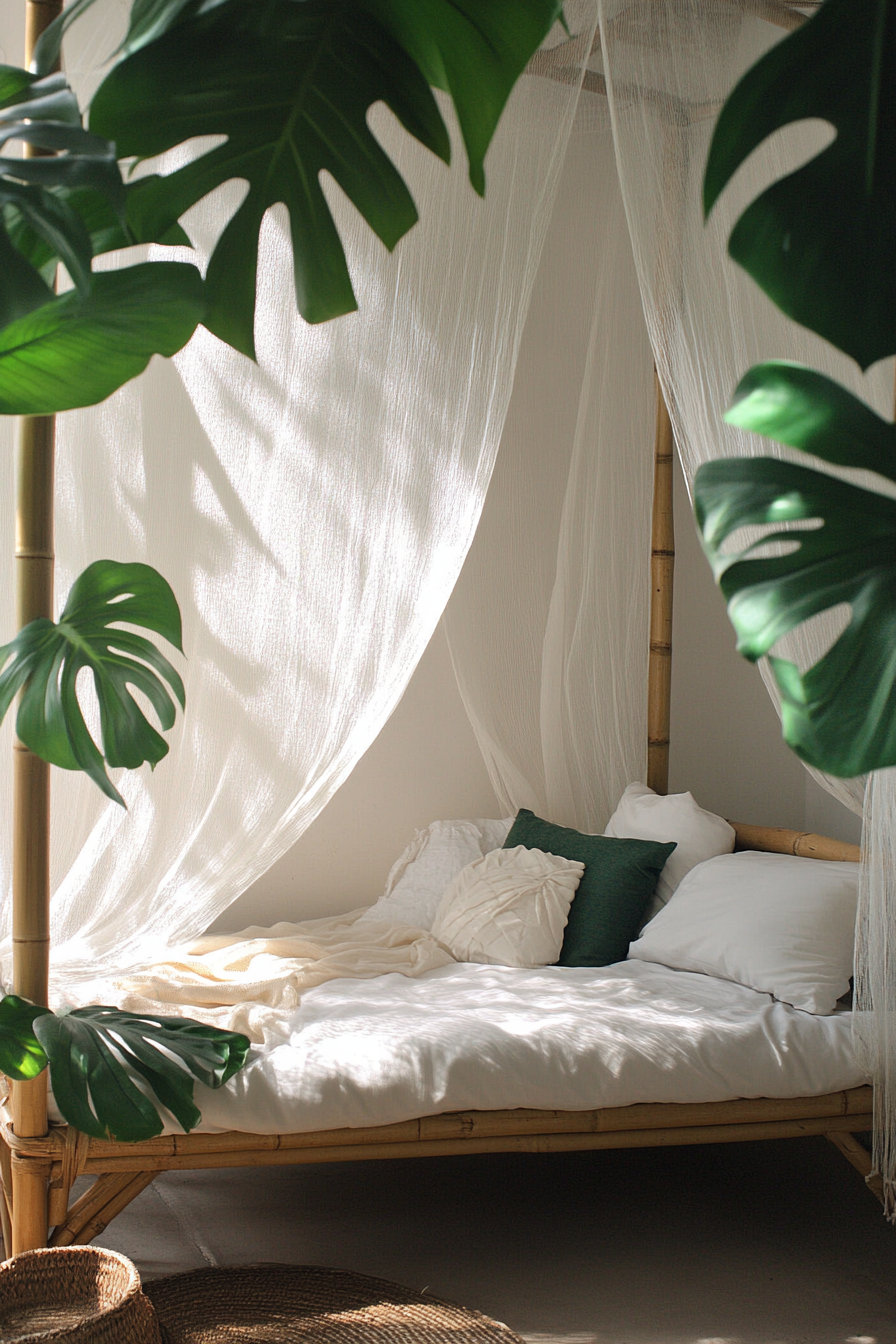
pixel 39 1163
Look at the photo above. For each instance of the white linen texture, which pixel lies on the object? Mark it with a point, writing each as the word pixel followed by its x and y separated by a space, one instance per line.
pixel 253 980
pixel 699 835
pixel 509 908
pixel 420 875
pixel 778 924
pixel 479 1038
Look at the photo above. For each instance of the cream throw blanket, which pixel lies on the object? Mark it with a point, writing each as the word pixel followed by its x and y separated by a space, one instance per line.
pixel 253 981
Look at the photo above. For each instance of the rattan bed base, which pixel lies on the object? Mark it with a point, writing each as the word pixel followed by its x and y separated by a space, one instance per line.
pixel 49 1166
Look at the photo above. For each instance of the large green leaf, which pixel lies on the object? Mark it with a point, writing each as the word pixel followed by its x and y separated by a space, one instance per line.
pixel 108 232
pixel 76 352
pixel 820 241
pixel 148 20
pixel 21 1053
pixel 804 409
pixel 840 715
pixel 43 661
pixel 290 85
pixel 37 192
pixel 104 1062
pixel 474 51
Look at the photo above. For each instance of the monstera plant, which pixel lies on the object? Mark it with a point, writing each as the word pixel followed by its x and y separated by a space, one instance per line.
pixel 288 85
pixel 822 244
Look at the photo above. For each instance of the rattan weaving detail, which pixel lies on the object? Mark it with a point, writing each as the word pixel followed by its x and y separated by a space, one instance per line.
pixel 75 1295
pixel 285 1304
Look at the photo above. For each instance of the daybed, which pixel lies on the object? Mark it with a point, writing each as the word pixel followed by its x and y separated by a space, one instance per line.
pixel 800 1062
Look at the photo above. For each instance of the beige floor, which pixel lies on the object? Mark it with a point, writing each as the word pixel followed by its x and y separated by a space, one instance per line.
pixel 774 1243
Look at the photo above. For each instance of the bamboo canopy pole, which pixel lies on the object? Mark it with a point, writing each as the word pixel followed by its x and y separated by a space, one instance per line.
pixel 31 785
pixel 662 566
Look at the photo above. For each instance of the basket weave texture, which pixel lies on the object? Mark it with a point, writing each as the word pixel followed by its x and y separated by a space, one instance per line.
pixel 74 1295
pixel 288 1304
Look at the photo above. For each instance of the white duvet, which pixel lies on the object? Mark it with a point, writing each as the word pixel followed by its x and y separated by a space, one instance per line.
pixel 472 1037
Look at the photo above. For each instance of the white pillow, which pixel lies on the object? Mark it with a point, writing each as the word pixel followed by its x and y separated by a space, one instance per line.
pixel 509 908
pixel 782 925
pixel 420 875
pixel 699 835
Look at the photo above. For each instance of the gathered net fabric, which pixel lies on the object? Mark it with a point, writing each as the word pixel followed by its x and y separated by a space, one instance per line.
pixel 669 65
pixel 874 1016
pixel 311 513
pixel 548 625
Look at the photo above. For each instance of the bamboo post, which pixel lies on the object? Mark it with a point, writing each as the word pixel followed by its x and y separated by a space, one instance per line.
pixel 31 783
pixel 662 565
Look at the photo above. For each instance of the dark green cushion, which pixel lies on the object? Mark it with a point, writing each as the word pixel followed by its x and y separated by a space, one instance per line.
pixel 619 879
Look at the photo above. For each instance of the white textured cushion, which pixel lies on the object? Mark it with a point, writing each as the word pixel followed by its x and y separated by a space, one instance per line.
pixel 420 875
pixel 782 925
pixel 509 908
pixel 699 835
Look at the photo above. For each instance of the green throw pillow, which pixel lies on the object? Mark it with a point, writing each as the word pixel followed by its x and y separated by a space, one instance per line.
pixel 619 879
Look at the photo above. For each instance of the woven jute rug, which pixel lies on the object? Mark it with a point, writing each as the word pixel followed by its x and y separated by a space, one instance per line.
pixel 285 1304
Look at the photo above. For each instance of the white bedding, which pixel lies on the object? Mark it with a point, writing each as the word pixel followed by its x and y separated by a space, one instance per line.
pixel 472 1037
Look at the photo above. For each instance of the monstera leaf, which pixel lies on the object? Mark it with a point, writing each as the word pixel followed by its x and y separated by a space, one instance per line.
pixel 820 241
pixel 107 229
pixel 36 192
pixel 43 661
pixel 290 85
pixel 147 20
pixel 840 715
pixel 75 351
pixel 21 1054
pixel 104 1062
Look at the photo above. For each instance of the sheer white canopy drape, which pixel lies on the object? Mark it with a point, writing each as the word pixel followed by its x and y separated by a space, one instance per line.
pixel 311 513
pixel 548 624
pixel 669 64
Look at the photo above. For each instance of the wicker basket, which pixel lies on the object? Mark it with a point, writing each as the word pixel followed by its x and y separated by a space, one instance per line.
pixel 74 1295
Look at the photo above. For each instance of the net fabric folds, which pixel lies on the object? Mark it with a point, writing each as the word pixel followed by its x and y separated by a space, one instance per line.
pixel 669 65
pixel 311 513
pixel 548 625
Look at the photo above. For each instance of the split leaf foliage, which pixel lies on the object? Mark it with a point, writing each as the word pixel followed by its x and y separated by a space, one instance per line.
pixel 44 659
pixel 290 85
pixel 111 1070
pixel 822 243
pixel 39 196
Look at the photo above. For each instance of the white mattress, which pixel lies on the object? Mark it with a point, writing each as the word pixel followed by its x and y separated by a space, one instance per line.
pixel 465 1037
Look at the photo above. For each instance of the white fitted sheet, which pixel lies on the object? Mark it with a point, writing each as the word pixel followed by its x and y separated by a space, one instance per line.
pixel 473 1037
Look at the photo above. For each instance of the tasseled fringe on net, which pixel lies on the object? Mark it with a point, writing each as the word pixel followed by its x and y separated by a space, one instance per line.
pixel 874 1023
